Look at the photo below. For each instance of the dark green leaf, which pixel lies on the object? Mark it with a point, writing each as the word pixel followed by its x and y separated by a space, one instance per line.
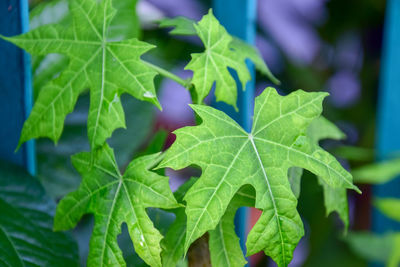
pixel 26 234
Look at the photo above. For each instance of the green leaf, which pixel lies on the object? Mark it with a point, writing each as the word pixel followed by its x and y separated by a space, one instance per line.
pixel 211 66
pixel 156 143
pixel 26 235
pixel 294 176
pixel 113 199
pixel 221 53
pixel 230 158
pixel 124 25
pixel 48 69
pixel 184 26
pixel 252 53
pixel 180 25
pixel 380 248
pixel 335 199
pixel 389 206
pixel 321 128
pixel 173 243
pixel 224 245
pixel 370 246
pixel 107 68
pixel 126 21
pixel 377 173
pixel 49 12
pixel 394 260
pixel 55 170
pixel 355 153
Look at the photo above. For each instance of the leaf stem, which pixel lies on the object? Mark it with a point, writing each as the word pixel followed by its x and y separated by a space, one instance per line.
pixel 168 74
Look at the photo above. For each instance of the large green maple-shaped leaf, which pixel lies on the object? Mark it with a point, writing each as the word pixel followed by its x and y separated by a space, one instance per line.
pixel 335 199
pixel 221 52
pixel 107 68
pixel 113 199
pixel 230 158
pixel 124 25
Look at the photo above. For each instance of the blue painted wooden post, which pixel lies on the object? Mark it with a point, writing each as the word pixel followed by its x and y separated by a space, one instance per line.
pixel 239 18
pixel 388 137
pixel 15 85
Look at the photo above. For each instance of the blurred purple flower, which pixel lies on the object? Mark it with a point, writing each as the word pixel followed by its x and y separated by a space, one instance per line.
pixel 349 52
pixel 270 54
pixel 290 24
pixel 312 10
pixel 176 178
pixel 174 100
pixel 344 88
pixel 172 8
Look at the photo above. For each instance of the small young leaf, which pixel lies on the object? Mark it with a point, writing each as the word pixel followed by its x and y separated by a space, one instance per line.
pixel 370 246
pixel 107 68
pixel 181 25
pixel 384 248
pixel 184 26
pixel 211 66
pixel 389 206
pixel 355 153
pixel 230 158
pixel 254 55
pixel 377 173
pixel 113 199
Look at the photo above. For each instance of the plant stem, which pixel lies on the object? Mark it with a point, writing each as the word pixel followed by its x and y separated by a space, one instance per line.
pixel 168 74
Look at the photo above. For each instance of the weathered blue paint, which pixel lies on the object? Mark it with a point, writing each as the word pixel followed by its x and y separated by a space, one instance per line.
pixel 388 132
pixel 239 18
pixel 15 85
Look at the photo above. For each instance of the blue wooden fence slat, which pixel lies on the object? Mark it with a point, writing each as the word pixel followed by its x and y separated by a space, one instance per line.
pixel 15 85
pixel 388 133
pixel 239 18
